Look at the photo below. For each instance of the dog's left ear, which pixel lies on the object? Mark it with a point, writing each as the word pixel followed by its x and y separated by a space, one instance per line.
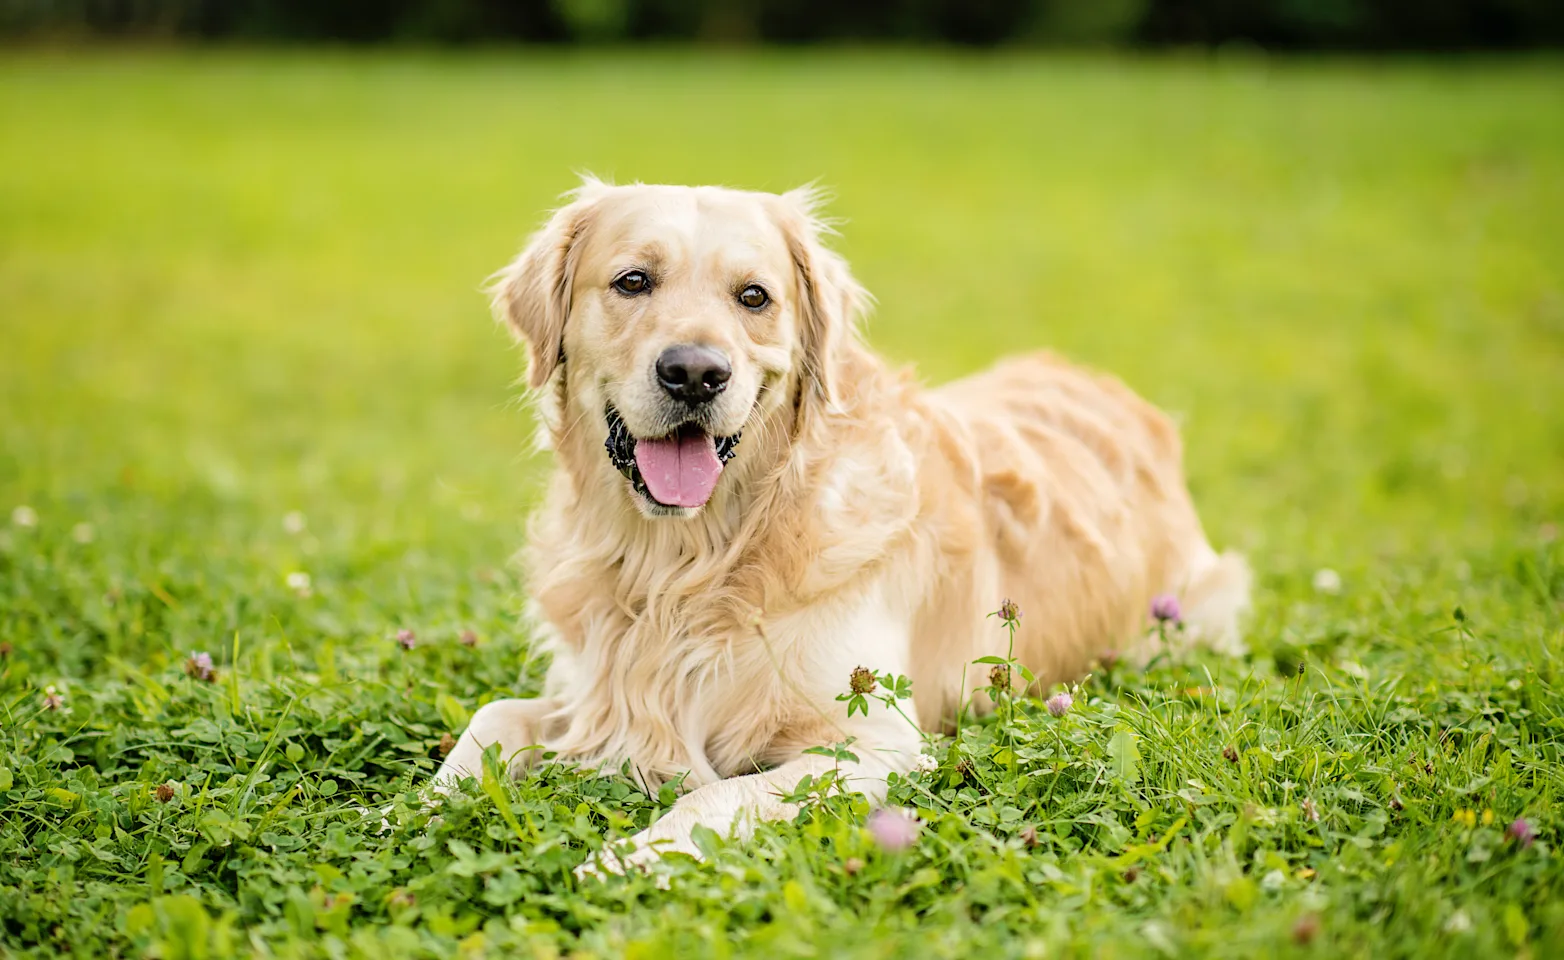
pixel 832 303
pixel 532 294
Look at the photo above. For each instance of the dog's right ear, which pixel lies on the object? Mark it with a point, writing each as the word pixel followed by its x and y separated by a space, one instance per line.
pixel 532 294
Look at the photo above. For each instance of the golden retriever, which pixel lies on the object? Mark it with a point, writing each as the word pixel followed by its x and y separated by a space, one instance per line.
pixel 748 504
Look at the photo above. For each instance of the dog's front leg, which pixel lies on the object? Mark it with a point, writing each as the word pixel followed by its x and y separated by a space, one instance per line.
pixel 735 805
pixel 513 724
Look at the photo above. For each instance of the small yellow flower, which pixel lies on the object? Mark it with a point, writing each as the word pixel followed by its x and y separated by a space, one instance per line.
pixel 1487 818
pixel 1463 815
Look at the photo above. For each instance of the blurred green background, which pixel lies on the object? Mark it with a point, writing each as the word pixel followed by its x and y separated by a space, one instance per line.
pixel 251 280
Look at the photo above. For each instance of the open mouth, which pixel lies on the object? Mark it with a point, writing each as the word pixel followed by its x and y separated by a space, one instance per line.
pixel 676 470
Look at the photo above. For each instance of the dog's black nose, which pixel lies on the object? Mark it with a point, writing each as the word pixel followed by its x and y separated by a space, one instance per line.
pixel 692 373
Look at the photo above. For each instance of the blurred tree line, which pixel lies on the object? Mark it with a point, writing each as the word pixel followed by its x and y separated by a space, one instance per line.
pixel 1279 24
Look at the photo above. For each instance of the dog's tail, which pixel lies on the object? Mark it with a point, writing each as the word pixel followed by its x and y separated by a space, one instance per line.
pixel 1215 598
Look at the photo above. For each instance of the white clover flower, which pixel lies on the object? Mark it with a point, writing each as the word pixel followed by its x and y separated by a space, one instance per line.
pixel 293 522
pixel 1327 580
pixel 83 533
pixel 926 763
pixel 299 582
pixel 24 516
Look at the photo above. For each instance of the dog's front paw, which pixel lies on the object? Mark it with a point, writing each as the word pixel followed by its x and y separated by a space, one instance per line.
pixel 640 852
pixel 367 815
pixel 428 802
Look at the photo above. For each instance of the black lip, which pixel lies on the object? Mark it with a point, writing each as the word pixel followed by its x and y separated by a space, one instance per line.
pixel 621 451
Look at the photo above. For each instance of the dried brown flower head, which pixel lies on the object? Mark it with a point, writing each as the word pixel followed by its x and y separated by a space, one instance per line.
pixel 999 677
pixel 164 792
pixel 447 744
pixel 861 681
pixel 1306 929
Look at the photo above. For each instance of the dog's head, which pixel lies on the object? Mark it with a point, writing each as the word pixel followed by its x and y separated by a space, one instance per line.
pixel 666 321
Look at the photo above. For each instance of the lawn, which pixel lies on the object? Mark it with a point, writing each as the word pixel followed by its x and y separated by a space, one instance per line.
pixel 252 405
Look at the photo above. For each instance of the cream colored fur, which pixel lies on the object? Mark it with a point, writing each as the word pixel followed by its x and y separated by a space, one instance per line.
pixel 866 520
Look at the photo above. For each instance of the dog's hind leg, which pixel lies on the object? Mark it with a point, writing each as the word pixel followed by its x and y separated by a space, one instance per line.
pixel 513 724
pixel 1214 597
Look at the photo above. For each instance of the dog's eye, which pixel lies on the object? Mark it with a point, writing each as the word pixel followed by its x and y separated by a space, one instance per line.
pixel 753 296
pixel 633 283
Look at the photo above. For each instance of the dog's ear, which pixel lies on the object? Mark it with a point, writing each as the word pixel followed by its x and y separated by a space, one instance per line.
pixel 832 303
pixel 532 294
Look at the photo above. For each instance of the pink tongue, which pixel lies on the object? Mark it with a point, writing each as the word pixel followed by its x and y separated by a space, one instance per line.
pixel 680 471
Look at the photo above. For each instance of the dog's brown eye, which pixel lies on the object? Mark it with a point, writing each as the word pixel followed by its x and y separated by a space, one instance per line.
pixel 753 297
pixel 633 283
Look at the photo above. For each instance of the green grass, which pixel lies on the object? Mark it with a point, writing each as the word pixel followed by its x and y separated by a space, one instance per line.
pixel 235 285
